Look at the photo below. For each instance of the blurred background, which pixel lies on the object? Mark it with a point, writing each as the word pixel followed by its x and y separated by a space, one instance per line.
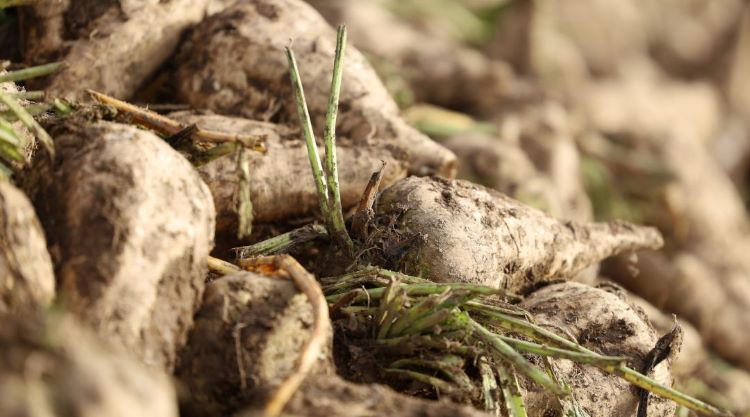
pixel 598 109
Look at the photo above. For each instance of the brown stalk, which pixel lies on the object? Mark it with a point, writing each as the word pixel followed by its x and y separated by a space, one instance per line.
pixel 306 282
pixel 169 127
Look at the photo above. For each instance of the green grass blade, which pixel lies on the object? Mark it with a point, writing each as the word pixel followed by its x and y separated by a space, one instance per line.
pixel 31 72
pixel 329 138
pixel 307 131
pixel 283 242
pixel 29 122
pixel 511 392
pixel 507 353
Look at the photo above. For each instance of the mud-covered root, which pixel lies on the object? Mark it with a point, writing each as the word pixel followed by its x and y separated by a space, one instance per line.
pixel 603 322
pixel 132 224
pixel 331 396
pixel 25 265
pixel 116 45
pixel 52 366
pixel 282 186
pixel 455 231
pixel 246 340
pixel 234 63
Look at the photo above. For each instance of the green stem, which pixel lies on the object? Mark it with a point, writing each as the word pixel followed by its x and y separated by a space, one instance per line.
pixel 339 232
pixel 649 384
pixel 31 72
pixel 511 392
pixel 578 357
pixel 282 243
pixel 307 130
pixel 489 384
pixel 28 95
pixel 423 289
pixel 29 122
pixel 506 352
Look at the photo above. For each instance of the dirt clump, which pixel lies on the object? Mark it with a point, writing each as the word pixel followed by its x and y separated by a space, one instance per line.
pixel 247 336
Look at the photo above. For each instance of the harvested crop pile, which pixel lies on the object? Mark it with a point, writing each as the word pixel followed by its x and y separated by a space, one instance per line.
pixel 233 63
pixel 369 281
pixel 51 366
pixel 457 231
pixel 25 266
pixel 131 223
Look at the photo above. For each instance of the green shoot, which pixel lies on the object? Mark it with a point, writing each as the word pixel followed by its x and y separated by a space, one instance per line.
pixel 282 243
pixel 28 120
pixel 307 131
pixel 326 181
pixel 31 72
pixel 511 392
pixel 329 138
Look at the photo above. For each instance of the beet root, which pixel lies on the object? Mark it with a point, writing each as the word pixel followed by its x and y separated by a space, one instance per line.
pixel 110 46
pixel 603 322
pixel 132 223
pixel 455 231
pixel 25 265
pixel 234 64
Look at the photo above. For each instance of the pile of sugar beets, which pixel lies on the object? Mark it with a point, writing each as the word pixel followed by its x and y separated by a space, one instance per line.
pixel 367 281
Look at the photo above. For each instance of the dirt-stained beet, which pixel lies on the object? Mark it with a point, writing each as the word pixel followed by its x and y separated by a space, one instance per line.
pixel 234 63
pixel 26 276
pixel 246 340
pixel 603 322
pixel 456 231
pixel 110 46
pixel 52 366
pixel 277 194
pixel 131 223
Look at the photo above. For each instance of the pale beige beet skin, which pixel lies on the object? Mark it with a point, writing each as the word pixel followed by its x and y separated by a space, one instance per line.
pixel 132 224
pixel 247 337
pixel 282 185
pixel 52 366
pixel 111 46
pixel 605 323
pixel 456 231
pixel 234 63
pixel 26 276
